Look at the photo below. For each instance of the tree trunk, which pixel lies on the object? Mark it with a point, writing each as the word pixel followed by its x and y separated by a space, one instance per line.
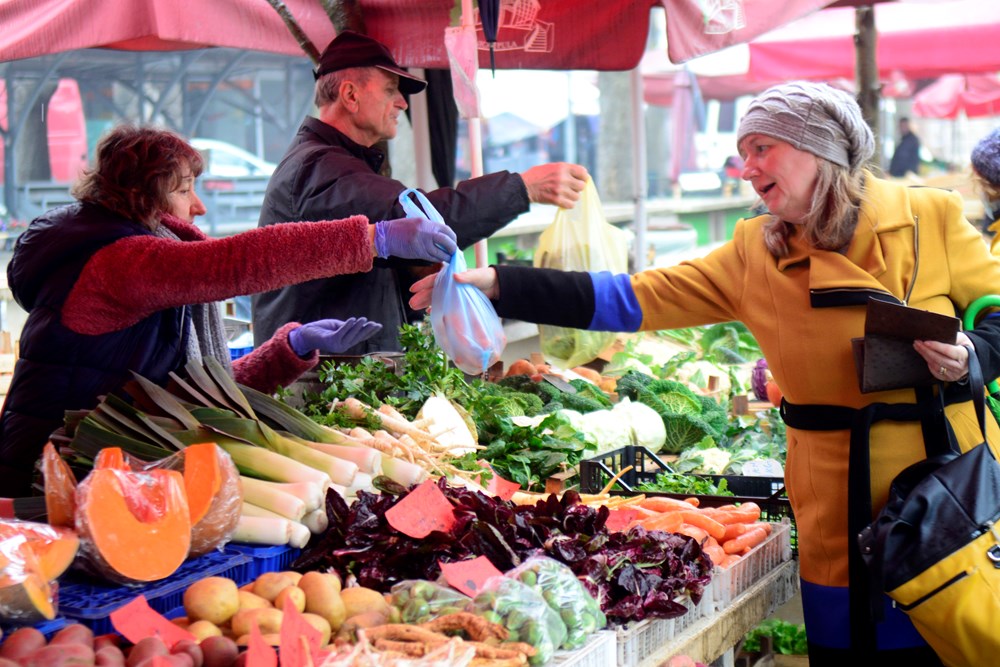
pixel 32 148
pixel 614 148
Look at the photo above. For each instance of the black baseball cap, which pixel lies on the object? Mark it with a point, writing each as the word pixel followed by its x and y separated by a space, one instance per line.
pixel 352 49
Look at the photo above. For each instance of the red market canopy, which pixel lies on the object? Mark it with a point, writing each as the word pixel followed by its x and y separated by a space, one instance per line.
pixel 975 95
pixel 533 34
pixel 918 39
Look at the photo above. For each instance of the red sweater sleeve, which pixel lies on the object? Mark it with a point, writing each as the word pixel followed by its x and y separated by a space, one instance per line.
pixel 137 276
pixel 273 364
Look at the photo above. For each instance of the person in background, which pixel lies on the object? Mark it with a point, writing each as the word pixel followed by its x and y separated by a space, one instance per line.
pixel 800 277
pixel 906 157
pixel 123 281
pixel 986 175
pixel 333 169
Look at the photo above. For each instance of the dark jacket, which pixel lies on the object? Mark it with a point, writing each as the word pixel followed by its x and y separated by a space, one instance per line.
pixel 325 175
pixel 906 157
pixel 59 369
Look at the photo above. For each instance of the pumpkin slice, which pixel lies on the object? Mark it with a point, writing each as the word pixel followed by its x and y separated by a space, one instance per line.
pixel 26 599
pixel 49 550
pixel 133 526
pixel 60 488
pixel 215 496
pixel 111 458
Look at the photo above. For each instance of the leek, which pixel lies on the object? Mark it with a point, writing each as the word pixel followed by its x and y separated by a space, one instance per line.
pixel 316 521
pixel 263 494
pixel 367 459
pixel 300 534
pixel 263 530
pixel 289 419
pixel 402 472
pixel 262 463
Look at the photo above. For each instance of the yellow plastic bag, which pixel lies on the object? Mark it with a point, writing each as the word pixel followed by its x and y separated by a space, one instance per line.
pixel 580 239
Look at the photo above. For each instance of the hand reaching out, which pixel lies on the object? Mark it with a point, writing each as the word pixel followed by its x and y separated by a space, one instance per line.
pixel 415 238
pixel 558 183
pixel 331 336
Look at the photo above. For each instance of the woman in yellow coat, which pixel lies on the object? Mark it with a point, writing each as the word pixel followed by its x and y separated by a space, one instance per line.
pixel 800 278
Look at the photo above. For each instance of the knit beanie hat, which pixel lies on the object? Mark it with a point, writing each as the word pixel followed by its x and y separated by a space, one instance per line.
pixel 812 117
pixel 986 157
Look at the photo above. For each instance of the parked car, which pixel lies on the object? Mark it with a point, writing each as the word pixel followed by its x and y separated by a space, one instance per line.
pixel 227 160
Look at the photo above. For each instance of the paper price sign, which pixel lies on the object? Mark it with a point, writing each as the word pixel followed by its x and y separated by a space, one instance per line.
pixel 424 510
pixel 498 486
pixel 137 620
pixel 620 519
pixel 468 576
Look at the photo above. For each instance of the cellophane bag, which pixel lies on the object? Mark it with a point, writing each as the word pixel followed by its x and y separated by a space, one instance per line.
pixel 565 595
pixel 32 556
pixel 523 611
pixel 465 324
pixel 420 601
pixel 580 239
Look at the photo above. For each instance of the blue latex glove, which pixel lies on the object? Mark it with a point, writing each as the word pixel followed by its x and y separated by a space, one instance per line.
pixel 415 238
pixel 331 336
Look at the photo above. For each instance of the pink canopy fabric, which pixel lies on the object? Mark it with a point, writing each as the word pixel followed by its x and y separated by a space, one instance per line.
pixel 918 39
pixel 974 95
pixel 533 34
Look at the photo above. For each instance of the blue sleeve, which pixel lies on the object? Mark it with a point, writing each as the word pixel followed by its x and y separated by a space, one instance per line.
pixel 616 307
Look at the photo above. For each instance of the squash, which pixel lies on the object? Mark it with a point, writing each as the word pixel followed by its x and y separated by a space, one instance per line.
pixel 60 488
pixel 215 496
pixel 31 556
pixel 133 526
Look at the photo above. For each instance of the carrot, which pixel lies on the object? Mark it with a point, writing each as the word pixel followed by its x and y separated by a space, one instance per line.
pixel 747 540
pixel 710 525
pixel 730 560
pixel 664 504
pixel 748 512
pixel 697 532
pixel 137 525
pixel 715 552
pixel 668 522
pixel 735 530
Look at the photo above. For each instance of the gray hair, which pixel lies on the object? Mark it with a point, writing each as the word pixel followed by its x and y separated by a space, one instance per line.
pixel 328 85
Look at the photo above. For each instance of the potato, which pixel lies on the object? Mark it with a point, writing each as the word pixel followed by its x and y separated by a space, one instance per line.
pixel 272 638
pixel 293 593
pixel 144 649
pixel 219 651
pixel 172 659
pixel 60 655
pixel 323 598
pixel 75 633
pixel 109 655
pixel 250 600
pixel 320 624
pixel 212 599
pixel 192 649
pixel 21 642
pixel 204 629
pixel 267 620
pixel 269 584
pixel 241 660
pixel 294 576
pixel 358 600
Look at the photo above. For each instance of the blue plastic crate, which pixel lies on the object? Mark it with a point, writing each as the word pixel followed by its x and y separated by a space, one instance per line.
pixel 237 352
pixel 265 559
pixel 47 628
pixel 87 601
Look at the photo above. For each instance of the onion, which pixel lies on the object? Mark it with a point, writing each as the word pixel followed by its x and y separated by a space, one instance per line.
pixel 758 379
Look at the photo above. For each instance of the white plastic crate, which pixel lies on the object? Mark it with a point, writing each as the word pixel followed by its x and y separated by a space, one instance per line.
pixel 599 651
pixel 638 641
pixel 729 583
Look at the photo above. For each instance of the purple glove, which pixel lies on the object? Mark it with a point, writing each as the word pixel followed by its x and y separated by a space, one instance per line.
pixel 415 238
pixel 331 336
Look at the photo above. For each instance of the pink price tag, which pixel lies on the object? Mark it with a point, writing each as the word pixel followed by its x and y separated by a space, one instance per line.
pixel 498 486
pixel 423 510
pixel 299 640
pixel 259 652
pixel 468 576
pixel 619 520
pixel 136 620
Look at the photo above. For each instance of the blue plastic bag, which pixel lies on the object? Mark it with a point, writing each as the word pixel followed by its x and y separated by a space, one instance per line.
pixel 465 324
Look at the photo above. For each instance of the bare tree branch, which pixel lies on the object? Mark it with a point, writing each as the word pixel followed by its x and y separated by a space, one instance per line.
pixel 345 15
pixel 296 30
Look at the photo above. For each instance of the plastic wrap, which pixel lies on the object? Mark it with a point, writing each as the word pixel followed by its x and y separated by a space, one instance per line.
pixel 580 239
pixel 525 614
pixel 212 525
pixel 32 556
pixel 563 592
pixel 420 601
pixel 133 526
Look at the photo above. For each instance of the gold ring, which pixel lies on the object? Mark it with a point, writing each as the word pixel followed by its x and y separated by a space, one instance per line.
pixel 943 371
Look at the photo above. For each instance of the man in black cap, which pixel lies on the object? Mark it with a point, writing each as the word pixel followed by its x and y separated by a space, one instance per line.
pixel 331 171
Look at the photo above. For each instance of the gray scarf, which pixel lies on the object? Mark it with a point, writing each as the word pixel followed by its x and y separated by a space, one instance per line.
pixel 206 337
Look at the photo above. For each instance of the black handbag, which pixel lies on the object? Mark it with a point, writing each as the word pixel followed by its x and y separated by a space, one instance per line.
pixel 935 547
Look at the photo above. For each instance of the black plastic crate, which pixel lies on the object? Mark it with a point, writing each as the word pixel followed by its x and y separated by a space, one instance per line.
pixel 597 471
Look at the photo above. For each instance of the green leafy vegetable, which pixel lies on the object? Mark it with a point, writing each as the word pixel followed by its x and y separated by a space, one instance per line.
pixel 787 638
